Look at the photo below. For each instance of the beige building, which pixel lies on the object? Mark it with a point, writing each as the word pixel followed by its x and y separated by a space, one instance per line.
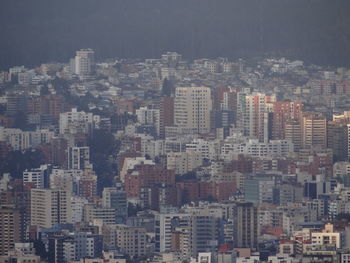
pixel 293 133
pixel 314 130
pixel 183 162
pixel 61 181
pixel 192 107
pixel 105 214
pixel 49 207
pixel 230 177
pixel 326 237
pixel 344 116
pixel 131 240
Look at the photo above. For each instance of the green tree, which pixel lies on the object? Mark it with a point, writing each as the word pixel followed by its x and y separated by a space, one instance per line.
pixel 343 216
pixel 103 146
pixel 16 162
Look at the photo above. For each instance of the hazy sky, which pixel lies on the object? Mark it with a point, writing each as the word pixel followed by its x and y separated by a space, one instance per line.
pixel 33 32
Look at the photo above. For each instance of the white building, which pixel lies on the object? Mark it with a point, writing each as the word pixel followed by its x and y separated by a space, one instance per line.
pixel 183 162
pixel 151 147
pixel 66 179
pixel 192 107
pixel 341 168
pixel 79 158
pixel 36 176
pixel 4 180
pixel 78 121
pixel 254 148
pixel 77 204
pixel 208 149
pixel 84 62
pixel 25 78
pixel 252 114
pixel 49 207
pixel 22 140
pixel 164 225
pixel 147 116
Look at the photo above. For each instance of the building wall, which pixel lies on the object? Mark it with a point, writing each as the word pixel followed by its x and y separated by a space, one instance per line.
pixel 10 229
pixel 192 107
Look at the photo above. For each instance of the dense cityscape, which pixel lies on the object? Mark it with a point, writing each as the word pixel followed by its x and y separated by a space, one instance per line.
pixel 175 160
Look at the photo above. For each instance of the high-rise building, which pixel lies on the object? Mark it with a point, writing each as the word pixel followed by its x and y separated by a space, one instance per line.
pixel 77 205
pixel 204 233
pixel 38 178
pixel 293 133
pixel 53 105
pixel 76 121
pixel 49 207
pixel 87 185
pixel 115 198
pixel 284 111
pixel 222 119
pixel 61 248
pixel 79 158
pixel 192 108
pixel 84 62
pixel 147 175
pixel 337 139
pixel 253 115
pixel 9 228
pixel 245 224
pixel 165 226
pixel 61 180
pixel 183 162
pixel 259 189
pixel 166 114
pixel 146 116
pixel 18 197
pixel 131 240
pixel 314 130
pixel 105 214
pixel 15 104
pixel 22 140
pixel 225 98
pixel 171 59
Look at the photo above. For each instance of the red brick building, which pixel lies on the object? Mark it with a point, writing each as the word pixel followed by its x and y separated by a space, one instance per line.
pixel 147 175
pixel 166 114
